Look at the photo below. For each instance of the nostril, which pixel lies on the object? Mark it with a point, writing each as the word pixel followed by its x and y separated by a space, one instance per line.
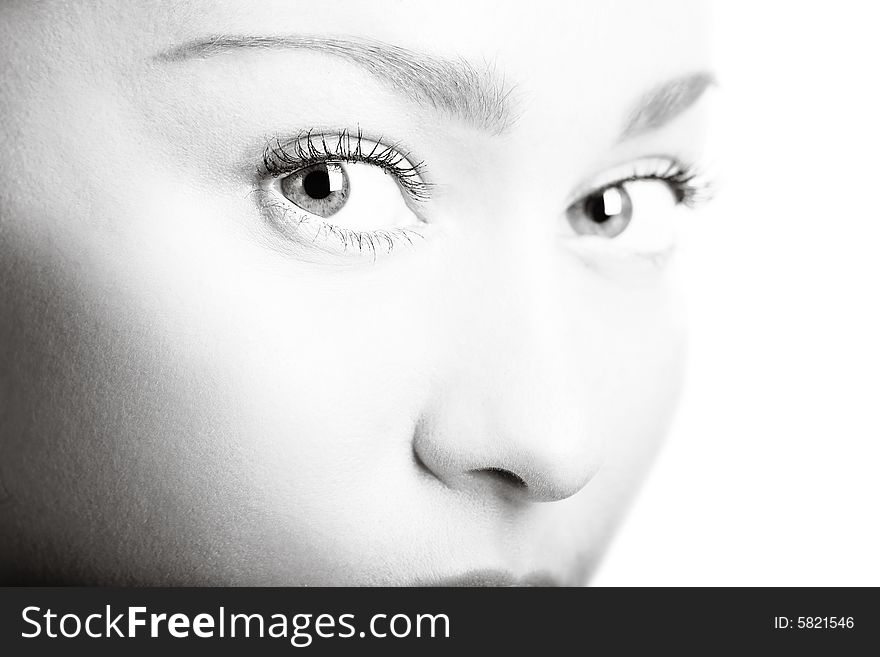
pixel 504 475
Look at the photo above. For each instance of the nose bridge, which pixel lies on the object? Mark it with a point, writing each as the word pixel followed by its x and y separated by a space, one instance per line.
pixel 514 403
pixel 527 342
pixel 541 409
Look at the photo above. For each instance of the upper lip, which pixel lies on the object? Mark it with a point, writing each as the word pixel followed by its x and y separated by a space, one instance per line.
pixel 490 577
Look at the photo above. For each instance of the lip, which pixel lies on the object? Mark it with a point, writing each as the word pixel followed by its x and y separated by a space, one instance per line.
pixel 495 578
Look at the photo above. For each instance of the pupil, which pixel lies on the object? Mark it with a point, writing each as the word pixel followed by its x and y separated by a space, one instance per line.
pixel 595 209
pixel 317 183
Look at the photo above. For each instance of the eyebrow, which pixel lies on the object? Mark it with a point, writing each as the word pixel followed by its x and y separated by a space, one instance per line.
pixel 663 103
pixel 477 96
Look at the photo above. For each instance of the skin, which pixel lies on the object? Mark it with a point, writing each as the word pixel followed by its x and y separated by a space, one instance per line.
pixel 187 399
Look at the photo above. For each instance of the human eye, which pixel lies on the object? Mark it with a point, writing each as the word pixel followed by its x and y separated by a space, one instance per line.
pixel 633 207
pixel 343 192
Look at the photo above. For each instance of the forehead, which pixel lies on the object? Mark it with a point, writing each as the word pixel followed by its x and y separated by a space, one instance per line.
pixel 578 42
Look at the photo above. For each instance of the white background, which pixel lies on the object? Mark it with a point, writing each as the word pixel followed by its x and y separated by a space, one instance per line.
pixel 771 475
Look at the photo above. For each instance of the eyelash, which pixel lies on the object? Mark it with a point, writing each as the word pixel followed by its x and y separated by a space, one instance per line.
pixel 689 184
pixel 311 147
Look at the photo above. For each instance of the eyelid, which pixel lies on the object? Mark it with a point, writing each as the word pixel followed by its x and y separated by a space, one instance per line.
pixel 289 222
pixel 652 167
pixel 314 146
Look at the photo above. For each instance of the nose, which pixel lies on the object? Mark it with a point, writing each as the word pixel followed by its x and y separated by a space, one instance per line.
pixel 511 415
pixel 519 464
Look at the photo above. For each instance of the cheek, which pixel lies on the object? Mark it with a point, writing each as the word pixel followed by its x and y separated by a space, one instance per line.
pixel 117 432
pixel 332 375
pixel 169 403
pixel 635 362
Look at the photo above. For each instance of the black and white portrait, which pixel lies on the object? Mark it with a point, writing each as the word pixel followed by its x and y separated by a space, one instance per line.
pixel 417 294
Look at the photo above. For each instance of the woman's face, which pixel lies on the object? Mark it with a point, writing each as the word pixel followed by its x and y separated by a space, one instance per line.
pixel 339 292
